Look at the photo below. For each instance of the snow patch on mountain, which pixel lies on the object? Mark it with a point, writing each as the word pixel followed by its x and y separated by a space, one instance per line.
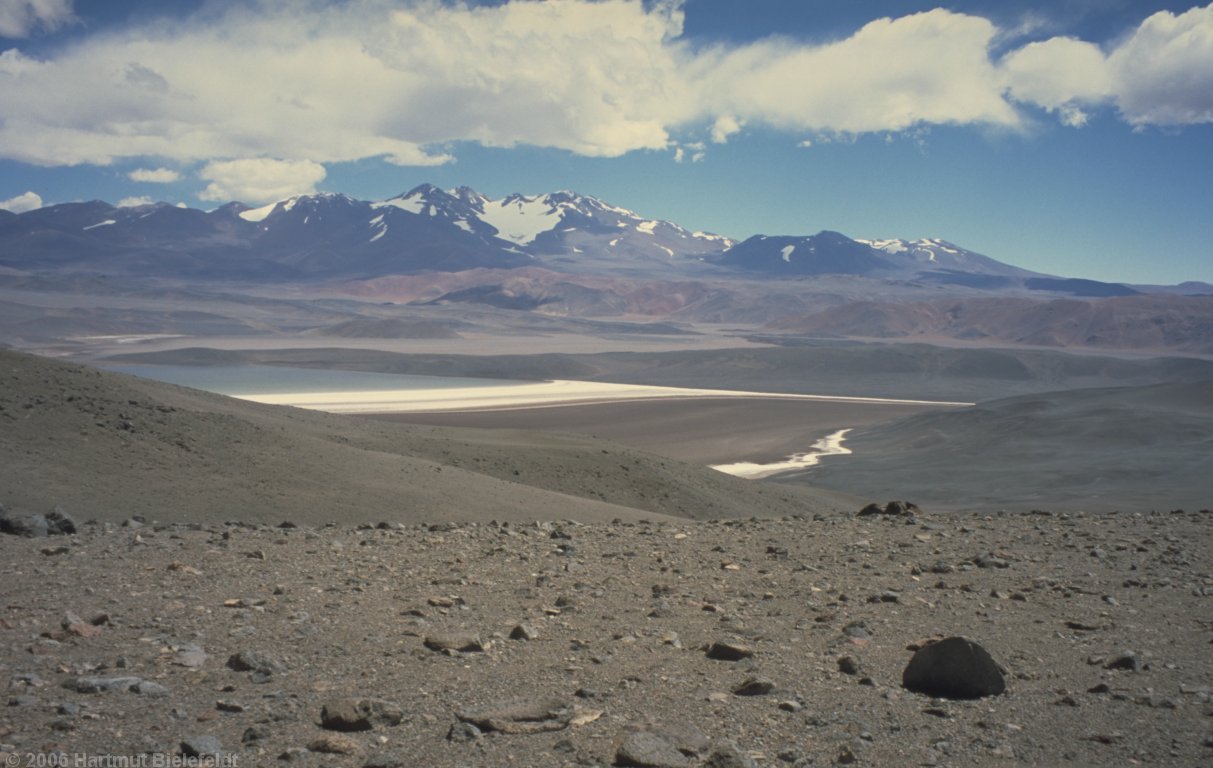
pixel 258 215
pixel 520 219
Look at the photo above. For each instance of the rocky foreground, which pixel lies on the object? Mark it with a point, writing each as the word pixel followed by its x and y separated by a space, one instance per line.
pixel 761 642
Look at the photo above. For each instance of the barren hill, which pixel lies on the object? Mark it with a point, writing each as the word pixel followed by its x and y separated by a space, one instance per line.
pixel 110 446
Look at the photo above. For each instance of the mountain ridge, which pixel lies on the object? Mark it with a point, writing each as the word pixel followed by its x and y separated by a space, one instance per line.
pixel 426 229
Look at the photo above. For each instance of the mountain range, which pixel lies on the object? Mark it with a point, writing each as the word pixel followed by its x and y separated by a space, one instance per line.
pixel 426 230
pixel 561 255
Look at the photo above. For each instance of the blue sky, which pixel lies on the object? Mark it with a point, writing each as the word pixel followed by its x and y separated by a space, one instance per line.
pixel 1073 137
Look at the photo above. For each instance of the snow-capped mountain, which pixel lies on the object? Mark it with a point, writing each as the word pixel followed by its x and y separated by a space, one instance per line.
pixel 826 253
pixel 427 229
pixel 936 254
pixel 333 235
pixel 564 226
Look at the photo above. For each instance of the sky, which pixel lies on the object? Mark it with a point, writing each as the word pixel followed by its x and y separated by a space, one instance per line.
pixel 1073 137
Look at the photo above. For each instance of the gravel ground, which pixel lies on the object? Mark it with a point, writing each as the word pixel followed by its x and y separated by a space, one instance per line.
pixel 565 644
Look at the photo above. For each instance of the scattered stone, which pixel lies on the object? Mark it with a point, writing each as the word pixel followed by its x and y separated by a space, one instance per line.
pixel 385 760
pixel 77 626
pixel 989 560
pixel 359 714
pixel 462 732
pixel 857 633
pixel 334 744
pixel 848 665
pixel 953 668
pixel 190 656
pixel 102 684
pixel 457 642
pixel 519 716
pixel 524 631
pixel 36 526
pixel 646 749
pixel 148 688
pixel 887 596
pixel 754 686
pixel 262 666
pixel 893 508
pixel 202 746
pixel 255 733
pixel 1127 660
pixel 729 651
pixel 729 755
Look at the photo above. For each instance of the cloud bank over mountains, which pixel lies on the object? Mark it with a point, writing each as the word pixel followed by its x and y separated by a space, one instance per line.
pixel 255 99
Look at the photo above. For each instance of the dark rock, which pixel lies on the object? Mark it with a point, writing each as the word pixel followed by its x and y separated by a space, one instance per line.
pixel 524 631
pixel 954 668
pixel 1126 660
pixel 729 651
pixel 359 714
pixel 60 523
pixel 848 665
pixel 893 508
pixel 30 526
pixel 646 749
pixel 754 686
pixel 519 716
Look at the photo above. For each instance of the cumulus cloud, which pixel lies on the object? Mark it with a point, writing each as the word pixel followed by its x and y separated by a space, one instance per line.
pixel 20 18
pixel 892 74
pixel 135 202
pixel 27 201
pixel 409 80
pixel 260 180
pixel 1059 75
pixel 1164 71
pixel 154 175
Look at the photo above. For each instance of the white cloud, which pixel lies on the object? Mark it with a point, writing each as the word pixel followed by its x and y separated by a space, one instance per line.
pixel 27 201
pixel 135 202
pixel 724 127
pixel 1164 71
pixel 260 180
pixel 20 18
pixel 1058 74
pixel 406 80
pixel 154 175
pixel 892 74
